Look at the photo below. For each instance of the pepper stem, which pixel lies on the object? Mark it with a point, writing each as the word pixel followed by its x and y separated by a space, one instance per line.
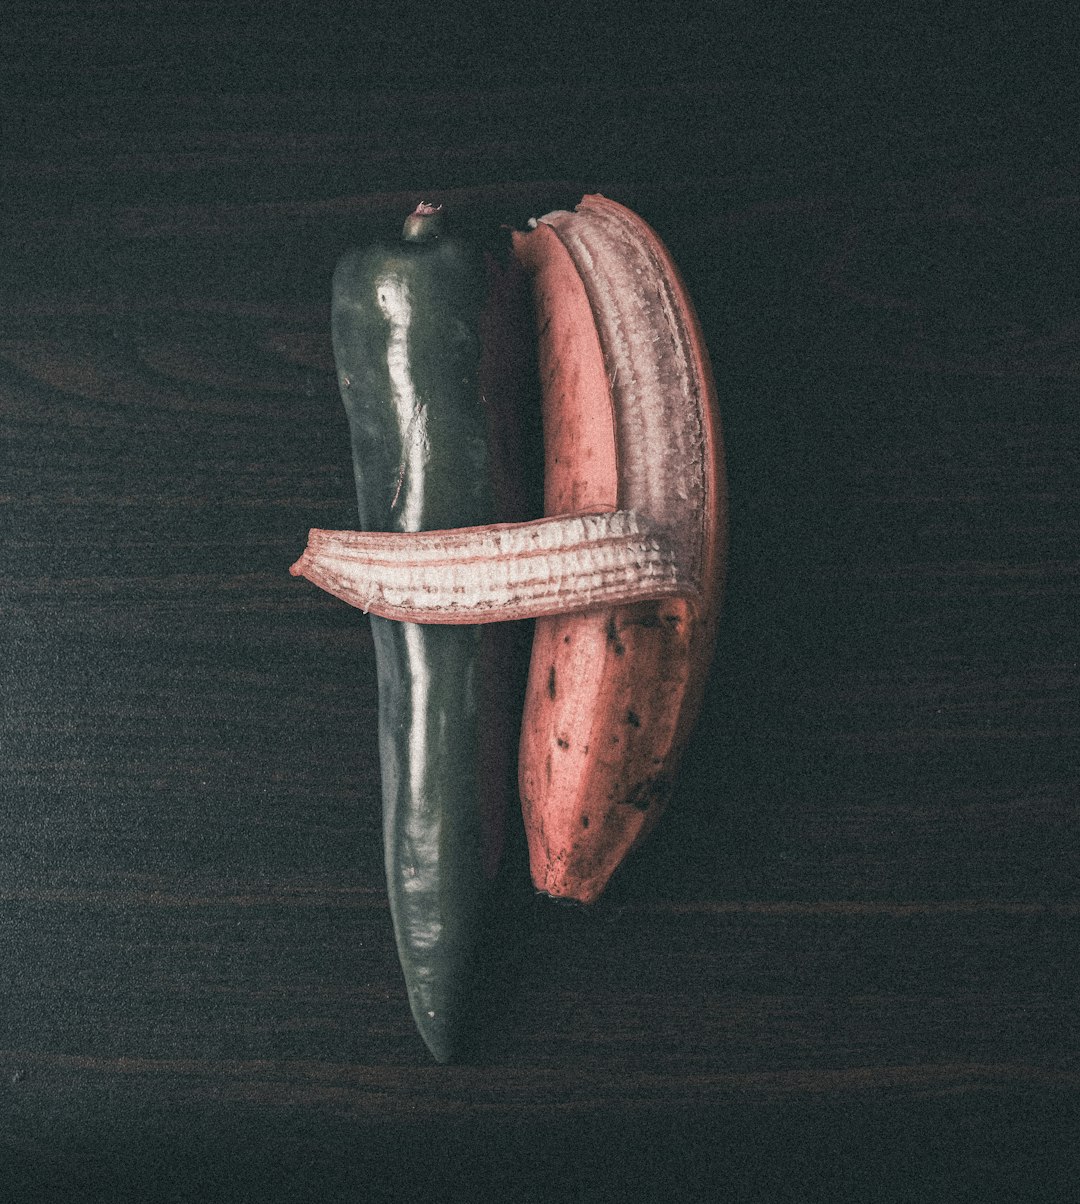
pixel 425 224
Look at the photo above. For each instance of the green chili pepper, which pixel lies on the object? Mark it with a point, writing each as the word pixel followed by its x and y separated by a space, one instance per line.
pixel 406 323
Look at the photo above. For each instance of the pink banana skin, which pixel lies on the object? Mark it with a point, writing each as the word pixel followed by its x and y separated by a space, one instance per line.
pixel 623 576
pixel 630 423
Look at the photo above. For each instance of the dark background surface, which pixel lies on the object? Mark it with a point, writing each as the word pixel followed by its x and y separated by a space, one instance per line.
pixel 843 965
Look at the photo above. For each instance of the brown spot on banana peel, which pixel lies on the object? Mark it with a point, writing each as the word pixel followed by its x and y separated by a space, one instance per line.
pixel 626 589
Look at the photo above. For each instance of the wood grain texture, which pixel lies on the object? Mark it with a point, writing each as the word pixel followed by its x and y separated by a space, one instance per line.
pixel 843 964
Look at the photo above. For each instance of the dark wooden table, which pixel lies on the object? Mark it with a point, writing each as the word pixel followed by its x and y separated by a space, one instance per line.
pixel 843 965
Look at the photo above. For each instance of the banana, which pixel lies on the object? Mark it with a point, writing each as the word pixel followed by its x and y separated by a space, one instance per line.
pixel 630 423
pixel 624 574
